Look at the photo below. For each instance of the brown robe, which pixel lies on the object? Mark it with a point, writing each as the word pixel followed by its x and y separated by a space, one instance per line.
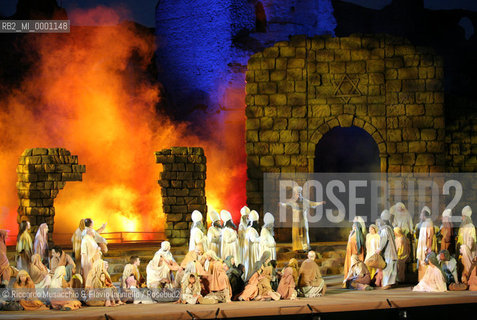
pixel 5 271
pixel 447 235
pixel 251 289
pixel 309 274
pixel 286 287
pixel 38 271
pixel 218 279
pixel 33 303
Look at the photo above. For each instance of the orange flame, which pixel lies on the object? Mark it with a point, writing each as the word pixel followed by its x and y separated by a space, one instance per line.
pixel 83 94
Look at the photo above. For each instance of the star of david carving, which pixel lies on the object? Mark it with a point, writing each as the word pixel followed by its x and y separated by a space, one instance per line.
pixel 346 88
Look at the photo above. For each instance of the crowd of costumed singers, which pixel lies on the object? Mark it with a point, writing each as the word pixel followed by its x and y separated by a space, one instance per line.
pixel 226 263
pixel 443 256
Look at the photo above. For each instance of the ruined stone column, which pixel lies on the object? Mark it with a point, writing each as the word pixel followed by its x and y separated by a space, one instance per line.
pixel 183 189
pixel 41 174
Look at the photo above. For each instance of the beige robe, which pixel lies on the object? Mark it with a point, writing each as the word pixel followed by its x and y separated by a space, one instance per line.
pixel 267 243
pixel 213 239
pixel 90 253
pixel 241 239
pixel 310 281
pixel 230 244
pixel 24 251
pixel 432 281
pixel 158 272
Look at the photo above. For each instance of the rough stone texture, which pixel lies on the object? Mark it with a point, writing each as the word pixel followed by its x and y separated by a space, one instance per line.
pixel 461 144
pixel 382 84
pixel 183 189
pixel 41 174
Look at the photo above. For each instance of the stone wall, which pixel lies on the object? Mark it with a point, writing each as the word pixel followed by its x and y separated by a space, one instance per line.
pixel 183 189
pixel 42 173
pixel 300 89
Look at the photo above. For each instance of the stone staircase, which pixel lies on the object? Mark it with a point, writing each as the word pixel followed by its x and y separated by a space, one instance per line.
pixel 330 256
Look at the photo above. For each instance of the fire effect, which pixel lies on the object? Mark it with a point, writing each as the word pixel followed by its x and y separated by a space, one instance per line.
pixel 83 94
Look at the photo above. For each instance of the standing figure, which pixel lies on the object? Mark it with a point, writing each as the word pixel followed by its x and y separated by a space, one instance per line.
pixel 5 270
pixel 402 218
pixel 387 246
pixel 24 246
pixel 447 231
pixel 214 234
pixel 372 245
pixel 251 247
pixel 355 246
pixel 100 240
pixel 244 212
pixel 41 242
pixel 90 252
pixel 433 279
pixel 425 242
pixel 466 240
pixel 310 282
pixel 403 251
pixel 197 231
pixel 229 245
pixel 300 207
pixel 76 241
pixel 267 242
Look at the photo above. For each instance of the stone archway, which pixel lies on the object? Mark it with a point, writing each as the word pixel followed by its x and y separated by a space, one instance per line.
pixel 347 121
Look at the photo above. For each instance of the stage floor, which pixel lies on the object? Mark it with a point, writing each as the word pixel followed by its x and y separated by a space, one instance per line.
pixel 336 300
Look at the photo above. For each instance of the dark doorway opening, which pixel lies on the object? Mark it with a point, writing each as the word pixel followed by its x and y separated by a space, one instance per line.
pixel 347 149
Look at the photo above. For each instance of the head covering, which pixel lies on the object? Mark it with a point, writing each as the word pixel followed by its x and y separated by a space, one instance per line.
pixel 293 263
pixel 361 223
pixel 385 215
pixel 57 280
pixel 245 211
pixel 432 258
pixel 228 261
pixel 398 230
pixel 214 215
pixel 211 254
pixel 81 225
pixel 253 216
pixel 165 246
pixel 359 237
pixel 28 282
pixel 268 218
pixel 41 239
pixel 446 254
pixel 467 211
pixel 447 213
pixel 426 210
pixel 265 256
pixel 196 216
pixel 225 216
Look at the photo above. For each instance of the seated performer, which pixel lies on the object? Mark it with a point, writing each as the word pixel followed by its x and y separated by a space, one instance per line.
pixel 403 251
pixel 288 281
pixel 267 242
pixel 102 243
pixel 30 301
pixel 449 266
pixel 358 276
pixel 250 291
pixel 40 245
pixel 76 241
pixel 39 274
pixel 214 234
pixel 60 258
pixel 219 285
pixel 5 270
pixel 158 272
pixel 310 282
pixel 433 279
pixel 235 274
pixel 59 282
pixel 132 270
pixel 103 291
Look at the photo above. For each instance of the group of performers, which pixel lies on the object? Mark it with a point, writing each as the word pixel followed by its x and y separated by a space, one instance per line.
pixel 445 257
pixel 226 263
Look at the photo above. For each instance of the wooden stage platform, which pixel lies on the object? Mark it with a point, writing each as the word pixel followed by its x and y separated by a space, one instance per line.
pixel 336 301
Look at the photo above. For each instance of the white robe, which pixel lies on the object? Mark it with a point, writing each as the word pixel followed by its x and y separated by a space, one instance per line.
pixel 468 237
pixel 267 243
pixel 196 237
pixel 251 250
pixel 403 220
pixel 76 241
pixel 388 247
pixel 425 232
pixel 213 239
pixel 433 281
pixel 230 245
pixel 155 272
pixel 89 254
pixel 241 239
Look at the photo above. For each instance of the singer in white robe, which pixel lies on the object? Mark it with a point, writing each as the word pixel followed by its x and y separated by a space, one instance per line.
pixel 251 247
pixel 244 212
pixel 214 234
pixel 267 242
pixel 90 252
pixel 196 233
pixel 230 244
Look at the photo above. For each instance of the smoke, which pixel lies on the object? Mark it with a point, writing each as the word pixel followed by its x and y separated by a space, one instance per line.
pixel 88 93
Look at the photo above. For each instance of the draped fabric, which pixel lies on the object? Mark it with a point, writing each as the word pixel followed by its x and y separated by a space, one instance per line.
pixel 24 251
pixel 230 244
pixel 241 239
pixel 387 246
pixel 29 304
pixel 5 271
pixel 39 273
pixel 251 250
pixel 41 242
pixel 403 252
pixel 214 237
pixel 352 249
pixel 158 271
pixel 286 287
pixel 90 253
pixel 432 281
pixel 267 243
pixel 76 241
pixel 59 282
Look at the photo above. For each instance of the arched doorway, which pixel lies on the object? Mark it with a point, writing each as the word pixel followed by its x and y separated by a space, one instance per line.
pixel 347 149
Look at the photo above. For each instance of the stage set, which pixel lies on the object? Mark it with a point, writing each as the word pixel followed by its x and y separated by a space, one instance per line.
pixel 141 154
